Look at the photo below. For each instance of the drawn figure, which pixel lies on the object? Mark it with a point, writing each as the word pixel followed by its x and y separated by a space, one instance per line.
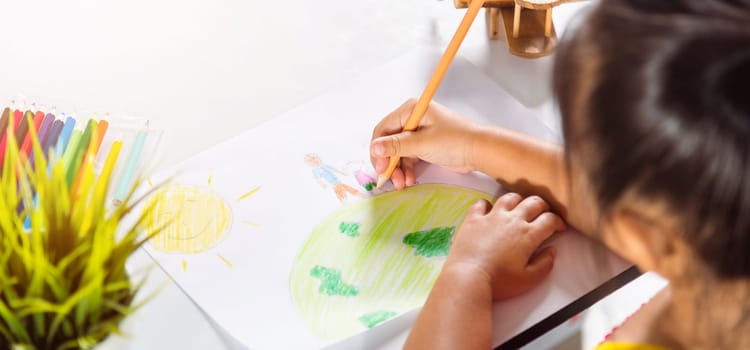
pixel 327 176
pixel 376 258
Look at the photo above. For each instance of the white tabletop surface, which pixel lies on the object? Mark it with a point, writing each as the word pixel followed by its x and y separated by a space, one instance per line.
pixel 204 71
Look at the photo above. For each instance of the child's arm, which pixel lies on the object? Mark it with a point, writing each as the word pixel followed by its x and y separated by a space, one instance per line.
pixel 492 258
pixel 522 163
pixel 525 165
pixel 458 313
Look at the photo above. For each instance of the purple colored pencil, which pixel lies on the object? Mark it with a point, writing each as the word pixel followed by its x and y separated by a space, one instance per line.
pixel 44 130
pixel 54 135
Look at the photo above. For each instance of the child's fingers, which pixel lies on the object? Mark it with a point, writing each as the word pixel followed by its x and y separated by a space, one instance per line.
pixel 391 124
pixel 380 163
pixel 541 264
pixel 531 207
pixel 479 208
pixel 398 179
pixel 550 221
pixel 508 201
pixel 544 226
pixel 407 165
pixel 405 144
pixel 394 122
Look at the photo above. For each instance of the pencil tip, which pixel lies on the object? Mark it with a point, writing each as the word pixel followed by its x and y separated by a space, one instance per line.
pixel 381 181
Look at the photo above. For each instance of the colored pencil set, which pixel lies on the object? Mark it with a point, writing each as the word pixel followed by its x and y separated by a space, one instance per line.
pixel 78 144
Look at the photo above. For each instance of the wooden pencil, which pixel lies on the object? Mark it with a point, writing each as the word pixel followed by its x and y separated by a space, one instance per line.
pixel 4 122
pixel 25 146
pixel 429 92
pixel 23 128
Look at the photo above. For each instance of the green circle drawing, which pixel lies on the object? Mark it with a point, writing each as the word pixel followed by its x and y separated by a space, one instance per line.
pixel 376 258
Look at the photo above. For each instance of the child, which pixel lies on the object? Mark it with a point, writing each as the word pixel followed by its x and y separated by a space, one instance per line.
pixel 655 102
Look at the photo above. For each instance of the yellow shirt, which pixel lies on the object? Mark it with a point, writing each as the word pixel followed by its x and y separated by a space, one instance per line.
pixel 611 345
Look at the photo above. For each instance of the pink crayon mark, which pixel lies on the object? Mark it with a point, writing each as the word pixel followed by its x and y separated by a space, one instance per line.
pixel 364 179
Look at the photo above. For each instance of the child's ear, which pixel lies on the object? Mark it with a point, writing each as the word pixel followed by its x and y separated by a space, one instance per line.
pixel 651 243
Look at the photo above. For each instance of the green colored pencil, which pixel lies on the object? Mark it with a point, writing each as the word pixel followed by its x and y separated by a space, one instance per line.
pixel 80 152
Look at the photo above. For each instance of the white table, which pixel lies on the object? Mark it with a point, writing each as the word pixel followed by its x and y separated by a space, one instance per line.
pixel 204 71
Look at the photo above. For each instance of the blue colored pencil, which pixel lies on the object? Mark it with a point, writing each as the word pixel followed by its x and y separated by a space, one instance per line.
pixel 131 164
pixel 62 141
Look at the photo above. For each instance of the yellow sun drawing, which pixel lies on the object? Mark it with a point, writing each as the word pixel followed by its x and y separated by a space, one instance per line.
pixel 190 219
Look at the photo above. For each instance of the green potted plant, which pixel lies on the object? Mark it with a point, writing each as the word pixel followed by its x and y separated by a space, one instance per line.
pixel 63 281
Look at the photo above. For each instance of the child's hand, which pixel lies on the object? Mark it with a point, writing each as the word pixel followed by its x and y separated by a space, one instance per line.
pixel 443 138
pixel 499 243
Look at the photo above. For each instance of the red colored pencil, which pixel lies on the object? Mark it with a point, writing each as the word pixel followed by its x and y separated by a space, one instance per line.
pixel 26 144
pixel 17 117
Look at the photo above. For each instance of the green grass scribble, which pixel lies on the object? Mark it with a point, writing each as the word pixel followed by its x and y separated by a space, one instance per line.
pixel 331 283
pixel 430 243
pixel 373 319
pixel 387 273
pixel 350 229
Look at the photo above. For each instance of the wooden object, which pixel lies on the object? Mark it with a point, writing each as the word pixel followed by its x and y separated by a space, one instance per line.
pixel 492 17
pixel 530 39
pixel 528 25
pixel 437 76
pixel 516 20
pixel 460 4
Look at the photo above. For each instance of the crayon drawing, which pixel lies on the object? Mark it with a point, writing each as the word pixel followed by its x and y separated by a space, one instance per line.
pixel 325 269
pixel 329 177
pixel 376 258
pixel 194 219
pixel 365 180
pixel 364 175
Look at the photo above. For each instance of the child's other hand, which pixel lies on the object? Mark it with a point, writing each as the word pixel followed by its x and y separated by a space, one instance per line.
pixel 499 243
pixel 443 138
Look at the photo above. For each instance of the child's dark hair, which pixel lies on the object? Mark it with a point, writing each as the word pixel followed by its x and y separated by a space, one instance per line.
pixel 655 98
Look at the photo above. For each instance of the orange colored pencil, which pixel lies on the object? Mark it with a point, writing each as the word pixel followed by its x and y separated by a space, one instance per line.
pixel 429 92
pixel 101 130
